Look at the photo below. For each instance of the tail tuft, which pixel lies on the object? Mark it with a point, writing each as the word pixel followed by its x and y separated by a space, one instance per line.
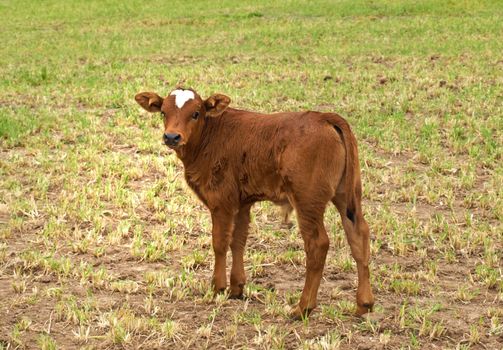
pixel 351 215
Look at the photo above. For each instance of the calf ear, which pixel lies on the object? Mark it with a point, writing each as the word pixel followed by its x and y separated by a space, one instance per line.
pixel 216 104
pixel 149 101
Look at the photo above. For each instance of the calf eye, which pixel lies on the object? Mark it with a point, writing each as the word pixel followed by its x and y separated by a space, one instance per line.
pixel 195 115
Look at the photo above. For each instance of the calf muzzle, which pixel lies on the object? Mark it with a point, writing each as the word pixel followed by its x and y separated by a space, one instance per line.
pixel 172 139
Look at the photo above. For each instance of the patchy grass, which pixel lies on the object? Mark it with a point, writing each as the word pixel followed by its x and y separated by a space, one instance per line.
pixel 102 245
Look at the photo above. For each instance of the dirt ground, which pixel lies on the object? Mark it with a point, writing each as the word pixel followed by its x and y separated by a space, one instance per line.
pixel 435 308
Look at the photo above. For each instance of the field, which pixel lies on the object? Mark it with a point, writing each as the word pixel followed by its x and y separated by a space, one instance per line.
pixel 103 245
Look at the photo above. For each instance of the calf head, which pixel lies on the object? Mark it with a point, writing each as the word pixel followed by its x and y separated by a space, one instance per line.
pixel 184 113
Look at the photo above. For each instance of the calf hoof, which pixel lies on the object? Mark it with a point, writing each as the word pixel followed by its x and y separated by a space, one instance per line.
pixel 219 290
pixel 286 225
pixel 364 308
pixel 299 314
pixel 219 287
pixel 237 296
pixel 236 292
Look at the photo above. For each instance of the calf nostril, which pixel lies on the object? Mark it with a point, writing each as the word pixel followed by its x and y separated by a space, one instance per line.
pixel 177 138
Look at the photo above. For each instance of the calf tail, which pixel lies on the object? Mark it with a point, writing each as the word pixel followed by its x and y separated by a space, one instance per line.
pixel 351 177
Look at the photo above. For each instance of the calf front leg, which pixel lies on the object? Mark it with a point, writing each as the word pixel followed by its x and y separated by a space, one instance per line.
pixel 239 235
pixel 223 223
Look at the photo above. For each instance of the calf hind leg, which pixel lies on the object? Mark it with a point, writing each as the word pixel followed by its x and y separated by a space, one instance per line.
pixel 316 244
pixel 286 212
pixel 357 233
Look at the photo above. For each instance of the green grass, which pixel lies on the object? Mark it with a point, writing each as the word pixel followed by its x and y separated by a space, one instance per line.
pixel 102 243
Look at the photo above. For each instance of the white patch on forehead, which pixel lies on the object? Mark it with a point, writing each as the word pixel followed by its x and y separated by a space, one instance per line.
pixel 182 96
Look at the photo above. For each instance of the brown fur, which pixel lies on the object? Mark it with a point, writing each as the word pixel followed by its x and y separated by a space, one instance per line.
pixel 234 158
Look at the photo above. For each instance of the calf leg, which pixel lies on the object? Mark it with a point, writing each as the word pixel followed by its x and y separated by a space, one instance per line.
pixel 239 235
pixel 316 245
pixel 221 236
pixel 286 211
pixel 357 234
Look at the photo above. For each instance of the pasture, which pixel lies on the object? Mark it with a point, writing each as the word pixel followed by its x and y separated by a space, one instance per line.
pixel 102 244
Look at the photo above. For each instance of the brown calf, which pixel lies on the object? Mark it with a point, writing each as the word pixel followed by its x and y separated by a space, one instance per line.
pixel 234 158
